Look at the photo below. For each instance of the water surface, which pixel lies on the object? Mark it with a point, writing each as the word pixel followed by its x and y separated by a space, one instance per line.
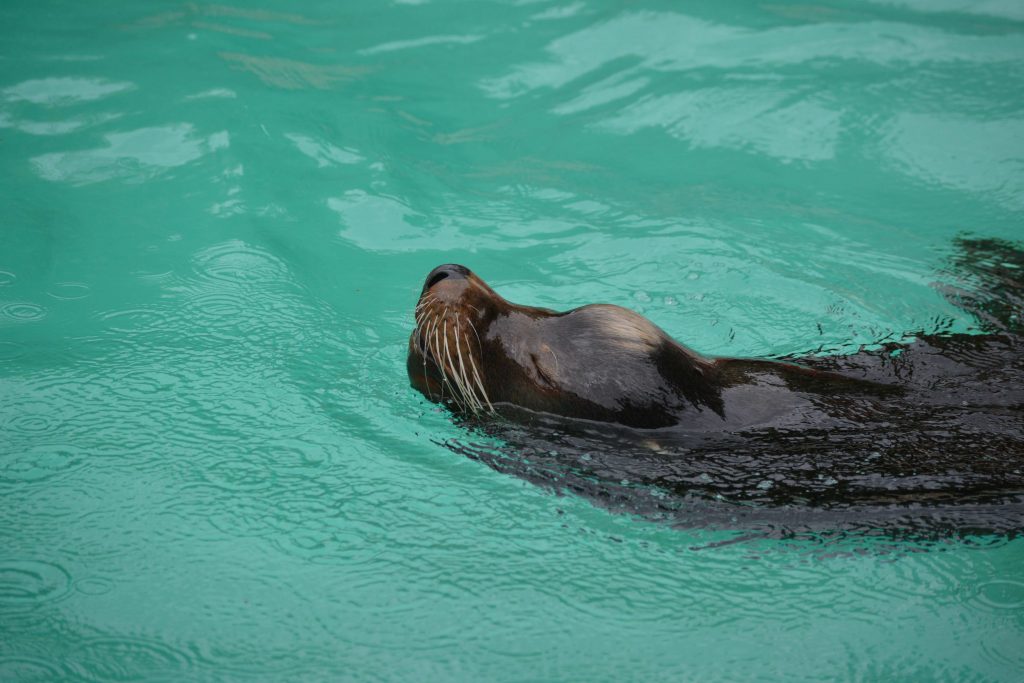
pixel 216 220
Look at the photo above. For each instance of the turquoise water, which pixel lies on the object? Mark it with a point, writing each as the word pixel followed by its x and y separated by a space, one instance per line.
pixel 215 223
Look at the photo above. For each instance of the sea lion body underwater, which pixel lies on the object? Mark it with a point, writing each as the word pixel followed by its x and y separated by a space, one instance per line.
pixel 480 353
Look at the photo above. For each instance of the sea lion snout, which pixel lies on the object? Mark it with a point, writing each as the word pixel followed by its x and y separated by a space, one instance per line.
pixel 448 270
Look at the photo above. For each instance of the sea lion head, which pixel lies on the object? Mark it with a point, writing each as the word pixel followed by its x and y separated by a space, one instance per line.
pixel 445 349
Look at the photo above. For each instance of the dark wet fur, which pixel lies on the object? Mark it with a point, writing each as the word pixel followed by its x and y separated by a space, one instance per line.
pixel 925 438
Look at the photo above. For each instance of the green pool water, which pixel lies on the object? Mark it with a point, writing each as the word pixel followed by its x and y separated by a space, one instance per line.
pixel 215 221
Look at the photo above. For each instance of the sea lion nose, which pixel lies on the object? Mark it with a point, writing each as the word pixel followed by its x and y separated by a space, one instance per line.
pixel 448 270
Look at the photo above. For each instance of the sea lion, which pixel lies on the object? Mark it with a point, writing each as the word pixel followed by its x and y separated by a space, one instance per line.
pixel 481 353
pixel 922 436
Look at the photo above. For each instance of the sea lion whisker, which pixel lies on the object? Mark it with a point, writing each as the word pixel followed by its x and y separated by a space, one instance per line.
pixel 476 373
pixel 445 372
pixel 423 305
pixel 422 333
pixel 473 327
pixel 418 331
pixel 435 353
pixel 468 395
pixel 429 298
pixel 456 371
pixel 472 398
pixel 479 383
pixel 450 376
pixel 421 311
pixel 424 348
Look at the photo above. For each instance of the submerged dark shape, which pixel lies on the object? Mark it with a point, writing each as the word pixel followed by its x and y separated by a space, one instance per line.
pixel 927 435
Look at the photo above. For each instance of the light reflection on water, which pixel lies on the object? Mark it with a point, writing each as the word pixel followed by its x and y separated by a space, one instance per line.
pixel 215 223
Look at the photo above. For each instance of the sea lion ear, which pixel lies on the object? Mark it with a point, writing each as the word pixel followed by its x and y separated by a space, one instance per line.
pixel 545 361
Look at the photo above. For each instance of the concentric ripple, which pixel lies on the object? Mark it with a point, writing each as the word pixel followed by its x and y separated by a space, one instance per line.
pixel 22 311
pixel 28 421
pixel 27 669
pixel 1002 594
pixel 144 383
pixel 240 263
pixel 39 463
pixel 128 659
pixel 135 320
pixel 239 475
pixel 28 583
pixel 69 291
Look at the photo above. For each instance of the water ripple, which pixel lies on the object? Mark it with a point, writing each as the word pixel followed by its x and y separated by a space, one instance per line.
pixel 69 291
pixel 22 311
pixel 27 669
pixel 29 420
pixel 40 463
pixel 243 518
pixel 11 350
pixel 1001 594
pixel 239 475
pixel 144 383
pixel 27 583
pixel 210 413
pixel 290 74
pixel 240 263
pixel 94 586
pixel 128 658
pixel 667 41
pixel 136 155
pixel 219 309
pixel 135 320
pixel 63 91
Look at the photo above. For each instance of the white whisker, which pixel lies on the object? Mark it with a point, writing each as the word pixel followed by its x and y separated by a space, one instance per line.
pixel 448 356
pixel 476 376
pixel 468 392
pixel 424 346
pixel 425 300
pixel 460 382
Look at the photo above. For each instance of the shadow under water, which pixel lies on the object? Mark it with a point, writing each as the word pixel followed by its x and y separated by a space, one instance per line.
pixel 932 444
